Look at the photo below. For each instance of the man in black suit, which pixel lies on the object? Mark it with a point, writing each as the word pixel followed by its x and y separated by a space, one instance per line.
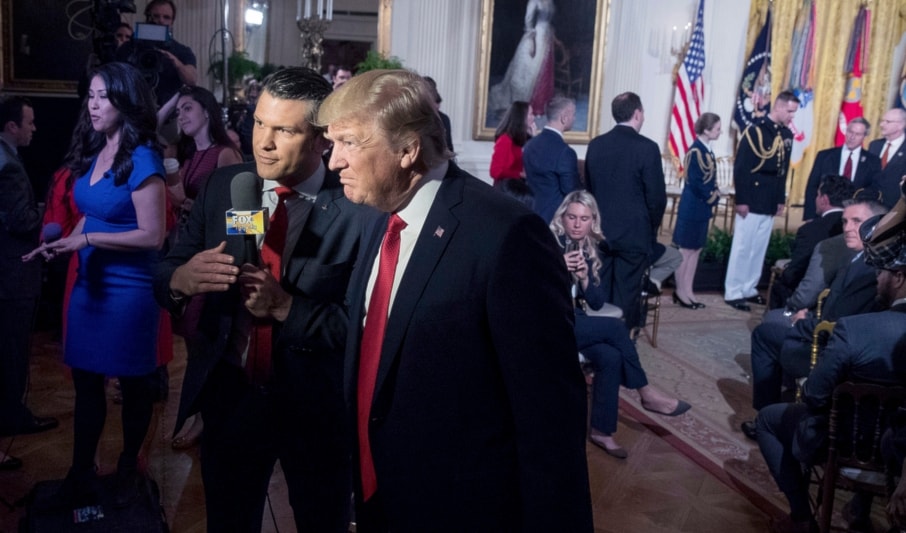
pixel 20 285
pixel 291 406
pixel 759 177
pixel 626 177
pixel 461 372
pixel 779 346
pixel 849 160
pixel 830 194
pixel 893 156
pixel 862 348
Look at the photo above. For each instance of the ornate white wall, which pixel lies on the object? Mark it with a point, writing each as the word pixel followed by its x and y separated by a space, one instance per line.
pixel 441 38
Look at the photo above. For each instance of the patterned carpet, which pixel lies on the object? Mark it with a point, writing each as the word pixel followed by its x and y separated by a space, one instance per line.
pixel 703 358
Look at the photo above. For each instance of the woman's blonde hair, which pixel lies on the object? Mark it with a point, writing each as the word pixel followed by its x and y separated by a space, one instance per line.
pixel 589 244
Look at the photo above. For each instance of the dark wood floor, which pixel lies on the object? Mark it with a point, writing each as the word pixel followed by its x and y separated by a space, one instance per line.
pixel 656 490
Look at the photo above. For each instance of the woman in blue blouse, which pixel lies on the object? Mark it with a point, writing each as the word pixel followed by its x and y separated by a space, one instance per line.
pixel 696 207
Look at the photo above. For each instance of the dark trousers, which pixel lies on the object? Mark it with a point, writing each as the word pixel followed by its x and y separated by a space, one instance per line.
pixel 139 393
pixel 621 275
pixel 247 429
pixel 777 426
pixel 778 349
pixel 16 319
pixel 606 344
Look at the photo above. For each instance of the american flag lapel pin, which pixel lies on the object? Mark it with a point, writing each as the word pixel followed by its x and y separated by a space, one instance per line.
pixel 439 232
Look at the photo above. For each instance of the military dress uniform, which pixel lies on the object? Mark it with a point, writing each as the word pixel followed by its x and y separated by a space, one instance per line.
pixel 759 176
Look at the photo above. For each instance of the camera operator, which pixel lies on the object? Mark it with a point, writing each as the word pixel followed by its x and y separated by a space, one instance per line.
pixel 177 67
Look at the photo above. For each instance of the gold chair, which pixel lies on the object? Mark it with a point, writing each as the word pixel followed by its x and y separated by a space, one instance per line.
pixel 674 185
pixel 819 340
pixel 727 202
pixel 650 307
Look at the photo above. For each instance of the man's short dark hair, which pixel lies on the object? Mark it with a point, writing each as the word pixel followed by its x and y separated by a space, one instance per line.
pixel 862 121
pixel 299 83
pixel 787 96
pixel 624 106
pixel 11 109
pixel 153 3
pixel 837 189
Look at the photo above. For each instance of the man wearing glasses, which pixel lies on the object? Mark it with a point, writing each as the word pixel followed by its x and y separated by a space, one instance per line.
pixel 893 156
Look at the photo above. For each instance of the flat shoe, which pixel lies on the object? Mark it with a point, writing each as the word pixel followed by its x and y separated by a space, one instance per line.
pixel 10 463
pixel 619 453
pixel 681 407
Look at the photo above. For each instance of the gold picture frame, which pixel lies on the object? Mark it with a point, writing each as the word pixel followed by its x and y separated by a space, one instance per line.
pixel 46 45
pixel 564 39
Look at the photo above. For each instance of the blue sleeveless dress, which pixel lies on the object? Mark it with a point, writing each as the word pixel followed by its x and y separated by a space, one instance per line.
pixel 113 317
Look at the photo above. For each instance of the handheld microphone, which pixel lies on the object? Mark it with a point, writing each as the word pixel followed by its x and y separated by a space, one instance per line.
pixel 247 217
pixel 52 232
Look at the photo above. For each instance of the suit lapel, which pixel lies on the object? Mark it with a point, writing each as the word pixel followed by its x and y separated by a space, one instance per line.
pixel 439 228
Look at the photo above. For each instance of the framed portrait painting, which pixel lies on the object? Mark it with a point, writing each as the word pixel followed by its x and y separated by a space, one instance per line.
pixel 533 50
pixel 46 44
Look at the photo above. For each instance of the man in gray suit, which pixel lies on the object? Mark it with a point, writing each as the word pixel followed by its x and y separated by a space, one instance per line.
pixel 20 285
pixel 265 366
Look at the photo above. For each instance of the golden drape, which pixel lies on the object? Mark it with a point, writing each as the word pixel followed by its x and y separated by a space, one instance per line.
pixel 834 21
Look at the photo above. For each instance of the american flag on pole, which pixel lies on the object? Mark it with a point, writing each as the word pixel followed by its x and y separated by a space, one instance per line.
pixel 690 91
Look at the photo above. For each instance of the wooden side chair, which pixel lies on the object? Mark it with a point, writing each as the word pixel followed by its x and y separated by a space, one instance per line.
pixel 860 414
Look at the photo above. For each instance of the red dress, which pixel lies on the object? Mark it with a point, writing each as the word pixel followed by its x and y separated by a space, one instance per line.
pixel 506 162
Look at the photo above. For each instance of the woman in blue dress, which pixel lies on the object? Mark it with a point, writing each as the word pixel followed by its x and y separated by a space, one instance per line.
pixel 113 318
pixel 696 207
pixel 604 341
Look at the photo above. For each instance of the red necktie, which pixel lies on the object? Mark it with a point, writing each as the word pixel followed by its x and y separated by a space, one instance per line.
pixel 848 167
pixel 372 340
pixel 884 155
pixel 258 362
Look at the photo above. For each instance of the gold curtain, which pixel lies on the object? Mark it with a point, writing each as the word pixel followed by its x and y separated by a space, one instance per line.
pixel 834 21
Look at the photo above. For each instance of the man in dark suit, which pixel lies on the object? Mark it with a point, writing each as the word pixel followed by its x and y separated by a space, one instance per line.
pixel 759 176
pixel 626 177
pixel 893 156
pixel 830 194
pixel 849 160
pixel 779 346
pixel 286 319
pixel 551 166
pixel 864 348
pixel 468 404
pixel 20 285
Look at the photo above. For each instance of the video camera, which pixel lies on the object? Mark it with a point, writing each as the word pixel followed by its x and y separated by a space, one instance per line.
pixel 147 40
pixel 106 18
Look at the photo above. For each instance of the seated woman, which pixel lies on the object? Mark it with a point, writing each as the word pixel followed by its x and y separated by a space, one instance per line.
pixel 604 341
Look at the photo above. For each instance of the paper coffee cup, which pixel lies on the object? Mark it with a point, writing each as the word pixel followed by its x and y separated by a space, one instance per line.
pixel 171 165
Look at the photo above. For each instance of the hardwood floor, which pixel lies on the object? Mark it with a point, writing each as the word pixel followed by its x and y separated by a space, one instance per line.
pixel 657 489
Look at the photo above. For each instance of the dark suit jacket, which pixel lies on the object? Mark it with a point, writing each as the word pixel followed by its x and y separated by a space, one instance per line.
pixel 862 348
pixel 852 292
pixel 551 171
pixel 20 225
pixel 478 415
pixel 316 273
pixel 760 183
pixel 827 162
pixel 624 173
pixel 888 180
pixel 807 237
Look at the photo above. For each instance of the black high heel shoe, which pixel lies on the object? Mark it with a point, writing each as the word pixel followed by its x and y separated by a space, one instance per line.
pixel 693 305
